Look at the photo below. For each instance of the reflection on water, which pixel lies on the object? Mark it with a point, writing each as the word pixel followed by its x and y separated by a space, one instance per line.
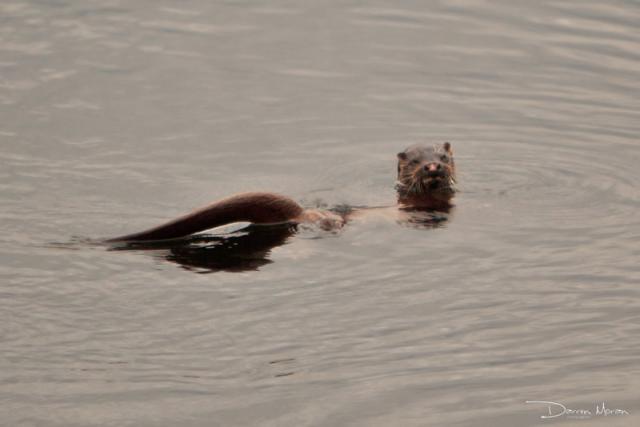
pixel 244 250
pixel 426 218
pixel 249 249
pixel 117 115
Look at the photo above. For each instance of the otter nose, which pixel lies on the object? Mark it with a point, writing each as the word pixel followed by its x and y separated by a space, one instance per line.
pixel 433 169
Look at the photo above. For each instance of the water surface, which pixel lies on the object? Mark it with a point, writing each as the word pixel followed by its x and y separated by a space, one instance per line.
pixel 117 115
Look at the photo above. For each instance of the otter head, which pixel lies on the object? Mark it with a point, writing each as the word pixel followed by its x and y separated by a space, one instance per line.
pixel 426 172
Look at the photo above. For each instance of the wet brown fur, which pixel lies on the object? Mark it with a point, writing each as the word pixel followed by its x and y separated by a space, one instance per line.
pixel 257 208
pixel 426 175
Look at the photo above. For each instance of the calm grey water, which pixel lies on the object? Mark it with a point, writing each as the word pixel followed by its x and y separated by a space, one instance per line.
pixel 116 115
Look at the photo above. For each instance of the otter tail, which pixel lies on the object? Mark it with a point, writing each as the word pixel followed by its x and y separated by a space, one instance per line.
pixel 257 208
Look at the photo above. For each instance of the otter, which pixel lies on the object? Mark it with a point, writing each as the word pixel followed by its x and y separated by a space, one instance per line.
pixel 426 178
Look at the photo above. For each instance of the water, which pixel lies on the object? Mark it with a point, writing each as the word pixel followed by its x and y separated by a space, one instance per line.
pixel 115 116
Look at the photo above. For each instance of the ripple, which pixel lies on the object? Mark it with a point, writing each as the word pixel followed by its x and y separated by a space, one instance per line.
pixel 119 114
pixel 559 182
pixel 299 72
pixel 193 27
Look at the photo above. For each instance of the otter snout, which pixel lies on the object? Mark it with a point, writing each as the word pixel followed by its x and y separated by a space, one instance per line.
pixel 433 170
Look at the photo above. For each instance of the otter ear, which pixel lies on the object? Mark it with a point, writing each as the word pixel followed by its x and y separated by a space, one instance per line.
pixel 447 147
pixel 402 156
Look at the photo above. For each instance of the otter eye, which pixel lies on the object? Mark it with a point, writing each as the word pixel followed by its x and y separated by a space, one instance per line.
pixel 413 162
